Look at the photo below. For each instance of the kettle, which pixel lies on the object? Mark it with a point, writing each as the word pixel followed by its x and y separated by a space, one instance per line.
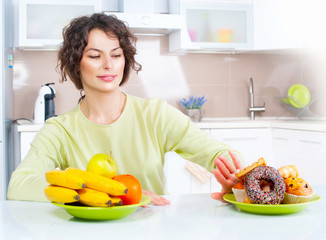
pixel 44 105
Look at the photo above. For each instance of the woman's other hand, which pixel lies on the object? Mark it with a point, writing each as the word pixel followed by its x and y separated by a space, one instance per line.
pixel 224 174
pixel 155 199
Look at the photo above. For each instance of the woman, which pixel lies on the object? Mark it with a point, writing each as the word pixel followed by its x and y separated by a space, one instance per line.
pixel 97 55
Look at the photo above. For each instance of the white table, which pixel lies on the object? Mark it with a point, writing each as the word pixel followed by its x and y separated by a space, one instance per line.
pixel 188 217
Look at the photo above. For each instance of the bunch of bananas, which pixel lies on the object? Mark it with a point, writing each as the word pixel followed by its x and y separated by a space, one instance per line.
pixel 76 185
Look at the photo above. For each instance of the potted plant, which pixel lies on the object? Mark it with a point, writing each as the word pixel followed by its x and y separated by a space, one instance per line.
pixel 193 107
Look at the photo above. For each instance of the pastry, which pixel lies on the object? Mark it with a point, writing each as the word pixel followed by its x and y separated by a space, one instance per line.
pixel 244 171
pixel 239 192
pixel 297 191
pixel 289 171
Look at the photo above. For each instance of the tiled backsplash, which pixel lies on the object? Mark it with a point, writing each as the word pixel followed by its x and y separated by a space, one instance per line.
pixel 223 79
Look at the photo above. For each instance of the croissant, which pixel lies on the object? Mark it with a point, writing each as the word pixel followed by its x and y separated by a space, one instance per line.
pixel 289 171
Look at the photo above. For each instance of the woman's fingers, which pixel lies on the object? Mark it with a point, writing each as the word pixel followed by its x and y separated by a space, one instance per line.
pixel 156 199
pixel 218 196
pixel 224 177
pixel 160 201
pixel 224 174
pixel 235 159
pixel 227 165
pixel 219 177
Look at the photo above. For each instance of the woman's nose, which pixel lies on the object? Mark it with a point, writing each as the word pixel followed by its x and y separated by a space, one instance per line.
pixel 107 63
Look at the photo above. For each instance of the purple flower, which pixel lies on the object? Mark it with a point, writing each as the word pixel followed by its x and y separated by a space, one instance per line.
pixel 193 102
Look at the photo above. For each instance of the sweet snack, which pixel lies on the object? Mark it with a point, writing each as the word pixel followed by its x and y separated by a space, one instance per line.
pixel 239 191
pixel 264 185
pixel 246 170
pixel 297 191
pixel 289 171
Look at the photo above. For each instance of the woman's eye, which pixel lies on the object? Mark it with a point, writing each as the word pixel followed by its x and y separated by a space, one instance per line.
pixel 117 55
pixel 95 56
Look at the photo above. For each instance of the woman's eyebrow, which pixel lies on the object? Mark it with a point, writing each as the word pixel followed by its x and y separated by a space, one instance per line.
pixel 115 49
pixel 98 50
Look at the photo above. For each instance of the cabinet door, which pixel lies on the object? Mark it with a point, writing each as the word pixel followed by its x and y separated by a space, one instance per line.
pixel 311 152
pixel 283 147
pixel 26 139
pixel 306 150
pixel 181 181
pixel 178 180
pixel 213 27
pixel 251 143
pixel 277 24
pixel 41 21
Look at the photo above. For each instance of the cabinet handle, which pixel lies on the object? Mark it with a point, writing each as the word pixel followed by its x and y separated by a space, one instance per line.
pixel 281 138
pixel 309 141
pixel 237 139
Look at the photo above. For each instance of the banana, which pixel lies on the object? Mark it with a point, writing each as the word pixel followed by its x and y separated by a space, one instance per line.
pixel 93 198
pixel 63 179
pixel 61 194
pixel 115 201
pixel 99 183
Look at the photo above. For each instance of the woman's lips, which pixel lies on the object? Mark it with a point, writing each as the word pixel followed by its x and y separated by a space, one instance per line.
pixel 107 77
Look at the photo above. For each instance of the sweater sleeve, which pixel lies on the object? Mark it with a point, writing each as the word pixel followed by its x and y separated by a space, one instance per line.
pixel 190 142
pixel 28 180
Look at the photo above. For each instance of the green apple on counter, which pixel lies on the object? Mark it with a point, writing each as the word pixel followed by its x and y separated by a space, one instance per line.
pixel 102 164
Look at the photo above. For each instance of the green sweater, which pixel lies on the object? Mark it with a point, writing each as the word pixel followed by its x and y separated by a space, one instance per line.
pixel 138 140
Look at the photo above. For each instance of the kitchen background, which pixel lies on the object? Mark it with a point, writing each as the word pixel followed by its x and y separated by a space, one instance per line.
pixel 283 48
pixel 222 78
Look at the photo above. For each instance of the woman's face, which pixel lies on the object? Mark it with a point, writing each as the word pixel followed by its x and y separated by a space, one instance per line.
pixel 102 63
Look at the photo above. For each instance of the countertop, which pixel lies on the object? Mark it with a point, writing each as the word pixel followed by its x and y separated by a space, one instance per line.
pixel 291 124
pixel 194 216
pixel 230 123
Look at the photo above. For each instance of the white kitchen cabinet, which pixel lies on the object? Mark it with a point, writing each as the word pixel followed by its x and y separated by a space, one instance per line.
pixel 41 21
pixel 305 149
pixel 26 139
pixel 181 181
pixel 178 180
pixel 24 135
pixel 278 24
pixel 150 23
pixel 252 143
pixel 215 26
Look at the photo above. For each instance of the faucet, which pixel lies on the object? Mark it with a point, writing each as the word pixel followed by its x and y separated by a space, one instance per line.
pixel 252 108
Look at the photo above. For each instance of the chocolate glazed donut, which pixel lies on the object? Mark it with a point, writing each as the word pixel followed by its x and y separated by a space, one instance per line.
pixel 254 179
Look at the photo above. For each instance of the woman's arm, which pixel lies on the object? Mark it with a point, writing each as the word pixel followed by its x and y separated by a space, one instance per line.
pixel 28 181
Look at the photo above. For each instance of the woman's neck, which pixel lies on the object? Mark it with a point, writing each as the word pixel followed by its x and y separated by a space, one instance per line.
pixel 103 109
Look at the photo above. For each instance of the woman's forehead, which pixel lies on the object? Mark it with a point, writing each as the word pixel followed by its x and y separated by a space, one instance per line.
pixel 99 39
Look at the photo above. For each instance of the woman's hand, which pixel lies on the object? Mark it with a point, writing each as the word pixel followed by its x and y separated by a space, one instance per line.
pixel 224 174
pixel 155 199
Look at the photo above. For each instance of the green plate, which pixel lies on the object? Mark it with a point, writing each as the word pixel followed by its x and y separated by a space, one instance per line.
pixel 103 213
pixel 299 95
pixel 270 209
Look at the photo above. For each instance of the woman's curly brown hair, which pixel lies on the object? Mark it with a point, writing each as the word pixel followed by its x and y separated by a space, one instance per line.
pixel 75 37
